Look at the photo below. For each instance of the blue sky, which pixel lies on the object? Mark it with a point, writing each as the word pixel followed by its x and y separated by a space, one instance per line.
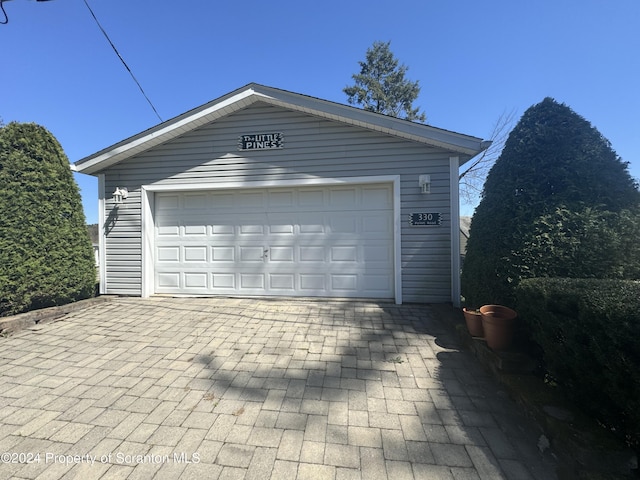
pixel 474 60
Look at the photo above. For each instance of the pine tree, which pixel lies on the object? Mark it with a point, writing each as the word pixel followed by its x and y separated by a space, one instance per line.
pixel 46 257
pixel 381 85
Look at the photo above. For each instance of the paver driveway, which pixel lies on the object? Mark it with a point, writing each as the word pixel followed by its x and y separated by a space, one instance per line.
pixel 256 389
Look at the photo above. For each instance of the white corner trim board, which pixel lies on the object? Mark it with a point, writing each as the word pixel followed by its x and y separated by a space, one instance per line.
pixel 101 234
pixel 454 167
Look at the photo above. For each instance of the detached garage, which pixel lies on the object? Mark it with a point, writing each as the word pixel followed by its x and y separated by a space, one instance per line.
pixel 265 192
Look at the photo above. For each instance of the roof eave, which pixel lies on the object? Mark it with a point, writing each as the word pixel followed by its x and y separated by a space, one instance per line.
pixel 164 132
pixel 464 145
pixel 436 137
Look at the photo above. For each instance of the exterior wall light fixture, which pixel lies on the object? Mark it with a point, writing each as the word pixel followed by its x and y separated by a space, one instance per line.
pixel 120 194
pixel 424 181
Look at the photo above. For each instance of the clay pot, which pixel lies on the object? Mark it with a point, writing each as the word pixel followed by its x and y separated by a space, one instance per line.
pixel 498 323
pixel 473 318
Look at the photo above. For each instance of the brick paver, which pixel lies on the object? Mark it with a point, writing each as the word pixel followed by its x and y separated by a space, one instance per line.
pixel 255 389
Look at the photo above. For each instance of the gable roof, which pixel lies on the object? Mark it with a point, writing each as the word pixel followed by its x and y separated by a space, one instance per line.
pixel 464 145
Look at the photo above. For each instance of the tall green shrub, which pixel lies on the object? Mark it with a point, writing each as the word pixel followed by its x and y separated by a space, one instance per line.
pixel 589 331
pixel 46 257
pixel 584 243
pixel 557 176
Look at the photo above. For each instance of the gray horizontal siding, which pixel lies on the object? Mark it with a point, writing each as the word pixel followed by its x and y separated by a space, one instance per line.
pixel 123 243
pixel 312 148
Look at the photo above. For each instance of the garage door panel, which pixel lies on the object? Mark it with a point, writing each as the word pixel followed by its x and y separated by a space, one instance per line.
pixel 195 253
pixel 223 253
pixel 376 197
pixel 343 198
pixel 249 199
pixel 251 229
pixel 312 283
pixel 167 230
pixel 376 224
pixel 252 281
pixel 280 198
pixel 167 202
pixel 344 283
pixel 281 254
pixel 373 254
pixel 168 254
pixel 377 284
pixel 312 254
pixel 191 230
pixel 252 254
pixel 168 280
pixel 221 229
pixel 281 224
pixel 285 281
pixel 221 201
pixel 195 280
pixel 343 224
pixel 311 227
pixel 310 241
pixel 195 201
pixel 344 254
pixel 281 229
pixel 223 281
pixel 311 198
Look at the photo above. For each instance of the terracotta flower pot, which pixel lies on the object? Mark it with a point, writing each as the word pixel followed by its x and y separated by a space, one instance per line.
pixel 498 323
pixel 473 318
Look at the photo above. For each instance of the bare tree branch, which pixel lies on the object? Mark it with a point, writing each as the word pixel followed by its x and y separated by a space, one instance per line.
pixel 475 171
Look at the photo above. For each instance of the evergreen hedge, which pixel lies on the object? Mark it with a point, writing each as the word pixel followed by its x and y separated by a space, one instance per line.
pixel 589 331
pixel 584 243
pixel 556 187
pixel 46 257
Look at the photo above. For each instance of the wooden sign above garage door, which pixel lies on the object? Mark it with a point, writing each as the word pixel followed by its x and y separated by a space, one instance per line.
pixel 261 141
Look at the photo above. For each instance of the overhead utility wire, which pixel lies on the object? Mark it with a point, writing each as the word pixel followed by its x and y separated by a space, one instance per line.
pixel 122 60
pixel 6 18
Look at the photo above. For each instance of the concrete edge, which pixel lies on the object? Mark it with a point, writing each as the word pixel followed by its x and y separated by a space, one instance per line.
pixel 22 321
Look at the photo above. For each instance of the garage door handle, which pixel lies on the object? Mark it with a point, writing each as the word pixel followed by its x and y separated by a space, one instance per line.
pixel 266 254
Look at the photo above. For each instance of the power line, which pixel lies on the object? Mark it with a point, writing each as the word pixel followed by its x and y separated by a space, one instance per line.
pixel 122 60
pixel 6 18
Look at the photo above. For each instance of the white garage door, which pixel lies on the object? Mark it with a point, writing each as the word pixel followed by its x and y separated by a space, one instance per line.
pixel 309 241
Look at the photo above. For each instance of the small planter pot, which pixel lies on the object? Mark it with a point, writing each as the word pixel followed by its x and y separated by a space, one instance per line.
pixel 498 323
pixel 473 318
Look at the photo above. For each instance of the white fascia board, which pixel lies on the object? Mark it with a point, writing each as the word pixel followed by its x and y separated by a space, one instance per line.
pixel 452 141
pixel 163 133
pixel 425 134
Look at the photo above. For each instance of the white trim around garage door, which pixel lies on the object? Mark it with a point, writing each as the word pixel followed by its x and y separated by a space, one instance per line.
pixel 148 191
